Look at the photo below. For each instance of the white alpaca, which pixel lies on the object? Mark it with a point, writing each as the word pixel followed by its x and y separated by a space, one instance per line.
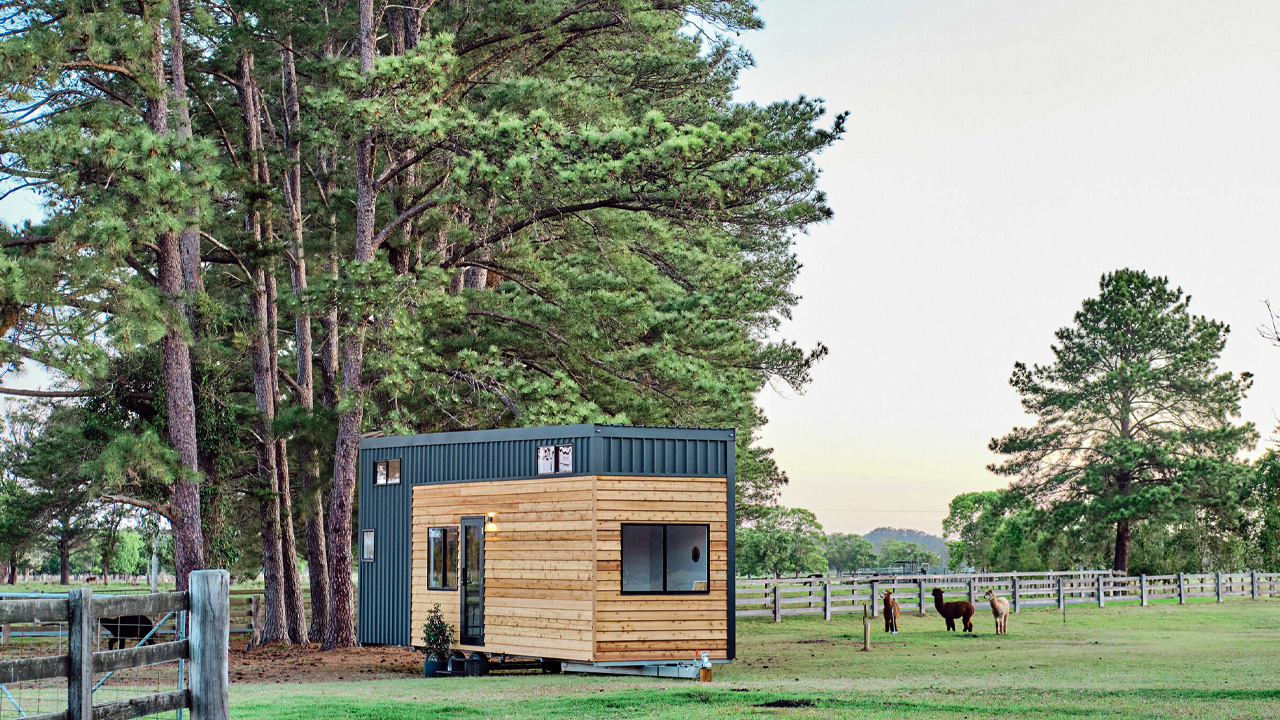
pixel 1000 610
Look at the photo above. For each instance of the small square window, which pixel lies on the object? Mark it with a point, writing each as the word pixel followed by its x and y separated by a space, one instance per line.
pixel 386 472
pixel 366 546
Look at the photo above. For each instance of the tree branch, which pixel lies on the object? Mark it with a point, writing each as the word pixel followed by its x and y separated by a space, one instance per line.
pixel 45 393
pixel 164 509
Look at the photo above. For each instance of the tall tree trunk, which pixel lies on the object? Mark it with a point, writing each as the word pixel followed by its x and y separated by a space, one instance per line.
pixel 294 608
pixel 295 614
pixel 188 545
pixel 309 470
pixel 317 565
pixel 342 615
pixel 189 239
pixel 64 560
pixel 275 629
pixel 1121 564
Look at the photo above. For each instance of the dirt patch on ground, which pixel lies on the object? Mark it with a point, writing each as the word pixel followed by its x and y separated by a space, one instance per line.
pixel 801 703
pixel 306 664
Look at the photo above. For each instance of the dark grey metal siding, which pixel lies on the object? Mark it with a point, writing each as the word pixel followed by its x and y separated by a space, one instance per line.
pixel 496 460
pixel 495 455
pixel 384 583
pixel 664 456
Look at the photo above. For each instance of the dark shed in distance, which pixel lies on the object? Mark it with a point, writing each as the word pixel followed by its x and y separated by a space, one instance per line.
pixel 600 546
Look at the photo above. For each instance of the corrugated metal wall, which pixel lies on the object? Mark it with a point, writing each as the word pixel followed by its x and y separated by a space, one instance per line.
pixel 495 460
pixel 384 583
pixel 664 456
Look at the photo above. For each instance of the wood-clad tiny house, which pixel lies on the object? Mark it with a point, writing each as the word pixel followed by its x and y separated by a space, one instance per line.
pixel 595 545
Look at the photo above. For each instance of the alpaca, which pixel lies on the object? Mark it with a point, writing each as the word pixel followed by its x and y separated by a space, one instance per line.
pixel 999 609
pixel 952 610
pixel 890 612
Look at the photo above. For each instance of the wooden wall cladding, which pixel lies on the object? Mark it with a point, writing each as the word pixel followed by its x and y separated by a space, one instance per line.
pixel 539 569
pixel 553 566
pixel 659 627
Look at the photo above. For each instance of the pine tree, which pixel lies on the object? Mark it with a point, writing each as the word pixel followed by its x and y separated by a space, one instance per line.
pixel 1135 421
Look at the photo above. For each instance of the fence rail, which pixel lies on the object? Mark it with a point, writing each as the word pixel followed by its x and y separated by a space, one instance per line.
pixel 204 650
pixel 829 596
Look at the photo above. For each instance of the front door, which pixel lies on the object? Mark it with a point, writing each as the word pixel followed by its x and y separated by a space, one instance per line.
pixel 472 632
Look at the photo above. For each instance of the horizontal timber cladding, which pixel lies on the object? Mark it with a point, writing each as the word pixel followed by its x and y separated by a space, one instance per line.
pixel 539 563
pixel 648 627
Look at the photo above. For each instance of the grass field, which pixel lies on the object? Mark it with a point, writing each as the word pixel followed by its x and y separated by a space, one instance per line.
pixel 1201 660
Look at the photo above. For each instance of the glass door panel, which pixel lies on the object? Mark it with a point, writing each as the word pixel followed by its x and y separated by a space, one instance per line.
pixel 472 630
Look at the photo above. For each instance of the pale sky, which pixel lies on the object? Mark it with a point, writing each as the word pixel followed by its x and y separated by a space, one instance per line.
pixel 1001 156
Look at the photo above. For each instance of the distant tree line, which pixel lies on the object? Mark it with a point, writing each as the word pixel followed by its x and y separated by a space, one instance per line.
pixel 789 542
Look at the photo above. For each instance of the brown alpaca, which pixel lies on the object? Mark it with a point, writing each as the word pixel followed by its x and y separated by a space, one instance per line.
pixel 952 610
pixel 999 609
pixel 890 613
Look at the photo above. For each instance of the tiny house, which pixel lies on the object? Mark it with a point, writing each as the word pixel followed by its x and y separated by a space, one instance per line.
pixel 606 548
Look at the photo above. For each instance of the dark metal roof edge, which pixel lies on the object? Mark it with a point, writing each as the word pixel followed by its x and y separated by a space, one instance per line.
pixel 543 432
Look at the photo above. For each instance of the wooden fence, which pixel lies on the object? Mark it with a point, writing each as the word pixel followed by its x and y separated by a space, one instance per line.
pixel 205 649
pixel 828 596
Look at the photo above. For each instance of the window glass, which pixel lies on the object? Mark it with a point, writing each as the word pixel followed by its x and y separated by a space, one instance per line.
pixel 366 546
pixel 393 472
pixel 642 558
pixel 686 558
pixel 380 473
pixel 443 573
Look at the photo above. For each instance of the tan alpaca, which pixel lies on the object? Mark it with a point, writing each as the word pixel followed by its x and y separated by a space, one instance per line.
pixel 1000 610
pixel 890 612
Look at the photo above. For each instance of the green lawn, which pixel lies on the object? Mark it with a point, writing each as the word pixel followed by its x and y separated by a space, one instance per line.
pixel 1201 660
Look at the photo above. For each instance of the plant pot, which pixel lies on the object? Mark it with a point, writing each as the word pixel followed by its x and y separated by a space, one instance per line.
pixel 430 667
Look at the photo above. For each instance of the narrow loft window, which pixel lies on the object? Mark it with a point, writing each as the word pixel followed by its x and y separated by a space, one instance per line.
pixel 386 472
pixel 366 546
pixel 443 554
pixel 665 559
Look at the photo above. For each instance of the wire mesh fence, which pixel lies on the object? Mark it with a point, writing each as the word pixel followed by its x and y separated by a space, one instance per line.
pixel 130 631
pixel 22 641
pixel 19 641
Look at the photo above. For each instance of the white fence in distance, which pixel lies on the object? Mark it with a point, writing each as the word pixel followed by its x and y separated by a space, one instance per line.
pixel 829 596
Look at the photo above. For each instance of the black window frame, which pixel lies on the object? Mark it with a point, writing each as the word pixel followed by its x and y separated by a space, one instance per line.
pixel 368 533
pixel 457 569
pixel 378 464
pixel 664 591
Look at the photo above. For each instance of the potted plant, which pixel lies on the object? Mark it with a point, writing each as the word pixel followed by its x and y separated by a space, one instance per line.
pixel 437 638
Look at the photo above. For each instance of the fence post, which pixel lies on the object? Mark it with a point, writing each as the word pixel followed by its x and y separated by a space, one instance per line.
pixel 777 604
pixel 1182 589
pixel 1253 584
pixel 1062 601
pixel 80 651
pixel 826 600
pixel 920 582
pixel 209 640
pixel 1017 601
pixel 1101 602
pixel 1142 588
pixel 972 596
pixel 1218 585
pixel 875 595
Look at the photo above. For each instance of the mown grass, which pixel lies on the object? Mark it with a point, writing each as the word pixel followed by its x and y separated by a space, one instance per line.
pixel 1197 661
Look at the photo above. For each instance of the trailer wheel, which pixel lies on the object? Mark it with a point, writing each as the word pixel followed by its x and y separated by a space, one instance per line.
pixel 550 667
